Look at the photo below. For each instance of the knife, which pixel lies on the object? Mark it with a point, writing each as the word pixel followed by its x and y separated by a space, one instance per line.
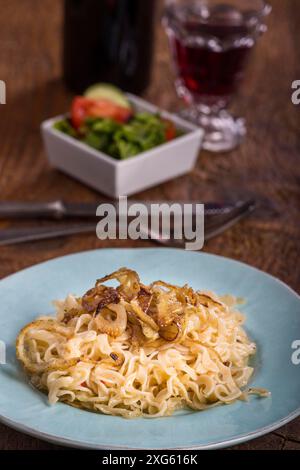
pixel 59 209
pixel 213 227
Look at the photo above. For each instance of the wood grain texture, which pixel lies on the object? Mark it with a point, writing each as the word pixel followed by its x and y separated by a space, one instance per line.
pixel 266 166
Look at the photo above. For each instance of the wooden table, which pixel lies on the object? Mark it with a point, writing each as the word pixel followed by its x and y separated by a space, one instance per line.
pixel 266 166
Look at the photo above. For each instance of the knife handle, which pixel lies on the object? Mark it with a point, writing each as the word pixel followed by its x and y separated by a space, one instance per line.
pixel 19 235
pixel 15 210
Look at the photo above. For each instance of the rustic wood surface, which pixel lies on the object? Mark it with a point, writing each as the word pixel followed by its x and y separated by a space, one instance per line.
pixel 266 166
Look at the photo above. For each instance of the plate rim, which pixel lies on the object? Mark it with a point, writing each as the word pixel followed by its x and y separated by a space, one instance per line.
pixel 213 445
pixel 198 253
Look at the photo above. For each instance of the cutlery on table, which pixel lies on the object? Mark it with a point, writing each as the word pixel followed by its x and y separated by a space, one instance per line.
pixel 60 210
pixel 218 218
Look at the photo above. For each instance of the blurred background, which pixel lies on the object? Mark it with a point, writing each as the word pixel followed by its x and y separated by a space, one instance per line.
pixel 265 166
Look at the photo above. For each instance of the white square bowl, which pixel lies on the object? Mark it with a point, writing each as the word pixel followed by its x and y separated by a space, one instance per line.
pixel 124 177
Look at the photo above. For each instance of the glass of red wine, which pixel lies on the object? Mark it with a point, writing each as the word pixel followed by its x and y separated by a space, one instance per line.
pixel 210 41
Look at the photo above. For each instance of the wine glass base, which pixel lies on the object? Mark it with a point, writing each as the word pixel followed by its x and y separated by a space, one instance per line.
pixel 222 132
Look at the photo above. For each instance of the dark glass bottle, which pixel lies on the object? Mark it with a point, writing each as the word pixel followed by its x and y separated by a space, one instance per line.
pixel 108 41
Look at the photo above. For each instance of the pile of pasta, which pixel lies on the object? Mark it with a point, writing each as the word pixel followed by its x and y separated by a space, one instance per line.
pixel 136 350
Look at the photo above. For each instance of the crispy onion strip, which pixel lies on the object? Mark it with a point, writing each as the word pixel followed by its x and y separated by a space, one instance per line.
pixel 206 300
pixel 105 323
pixel 171 332
pixel 143 316
pixel 98 297
pixel 129 282
pixel 144 298
pixel 22 352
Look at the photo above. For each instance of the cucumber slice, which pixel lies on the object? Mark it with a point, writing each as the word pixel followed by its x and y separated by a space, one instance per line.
pixel 109 92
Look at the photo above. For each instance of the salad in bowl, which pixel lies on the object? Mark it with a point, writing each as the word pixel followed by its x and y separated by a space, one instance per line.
pixel 105 119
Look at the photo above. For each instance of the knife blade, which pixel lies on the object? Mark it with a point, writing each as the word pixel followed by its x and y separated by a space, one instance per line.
pixel 59 209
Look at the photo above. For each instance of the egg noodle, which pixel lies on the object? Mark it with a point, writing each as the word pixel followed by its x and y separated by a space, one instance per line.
pixel 136 350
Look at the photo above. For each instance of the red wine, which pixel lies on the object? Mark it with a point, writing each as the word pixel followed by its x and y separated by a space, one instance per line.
pixel 210 49
pixel 108 41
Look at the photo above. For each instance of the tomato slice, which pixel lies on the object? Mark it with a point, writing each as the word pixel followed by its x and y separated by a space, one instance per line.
pixel 108 109
pixel 85 107
pixel 170 130
pixel 79 110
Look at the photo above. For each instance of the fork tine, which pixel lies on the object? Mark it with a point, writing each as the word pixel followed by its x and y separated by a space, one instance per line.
pixel 221 223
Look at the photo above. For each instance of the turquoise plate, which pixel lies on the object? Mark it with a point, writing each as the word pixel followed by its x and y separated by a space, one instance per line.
pixel 273 321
